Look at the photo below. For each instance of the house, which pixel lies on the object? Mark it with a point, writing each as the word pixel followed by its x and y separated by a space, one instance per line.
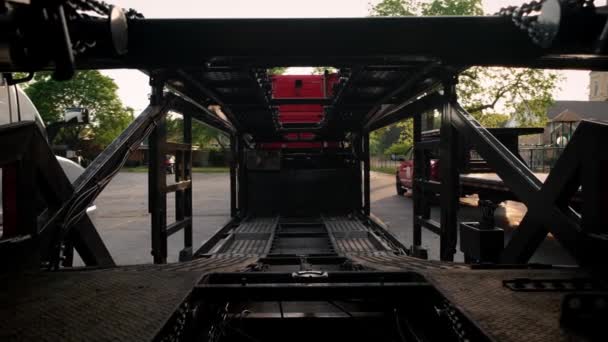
pixel 564 117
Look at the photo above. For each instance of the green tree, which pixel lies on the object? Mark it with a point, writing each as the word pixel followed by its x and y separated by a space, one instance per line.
pixel 380 140
pixel 87 89
pixel 395 8
pixel 277 70
pixel 202 135
pixel 322 69
pixel 482 90
pixel 493 120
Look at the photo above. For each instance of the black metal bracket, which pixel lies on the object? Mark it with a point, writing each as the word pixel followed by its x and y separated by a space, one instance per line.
pixel 552 285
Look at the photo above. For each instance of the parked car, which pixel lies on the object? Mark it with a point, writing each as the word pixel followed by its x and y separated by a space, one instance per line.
pixel 404 176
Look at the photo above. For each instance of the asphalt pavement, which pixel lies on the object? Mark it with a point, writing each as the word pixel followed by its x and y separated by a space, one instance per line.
pixel 124 223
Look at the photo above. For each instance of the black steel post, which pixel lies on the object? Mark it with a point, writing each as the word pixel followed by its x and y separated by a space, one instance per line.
pixel 187 193
pixel 366 169
pixel 417 193
pixel 448 169
pixel 233 180
pixel 357 147
pixel 242 176
pixel 157 179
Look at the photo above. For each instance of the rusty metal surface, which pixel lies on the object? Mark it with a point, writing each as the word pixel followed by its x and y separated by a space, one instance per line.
pixel 118 304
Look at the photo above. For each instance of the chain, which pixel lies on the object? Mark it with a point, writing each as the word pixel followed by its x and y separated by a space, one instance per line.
pixel 84 9
pixel 449 312
pixel 525 17
pixel 177 331
pixel 98 7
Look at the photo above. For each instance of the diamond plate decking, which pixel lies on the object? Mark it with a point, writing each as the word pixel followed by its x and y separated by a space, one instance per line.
pixel 118 304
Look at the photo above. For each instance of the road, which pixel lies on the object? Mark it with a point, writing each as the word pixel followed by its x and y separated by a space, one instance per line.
pixel 124 223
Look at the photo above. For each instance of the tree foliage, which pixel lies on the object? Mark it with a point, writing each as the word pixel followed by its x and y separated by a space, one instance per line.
pixel 322 69
pixel 403 8
pixel 203 136
pixel 277 70
pixel 383 138
pixel 484 91
pixel 87 89
pixel 515 91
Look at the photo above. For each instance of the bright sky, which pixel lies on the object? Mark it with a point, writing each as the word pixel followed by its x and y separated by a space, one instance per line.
pixel 133 85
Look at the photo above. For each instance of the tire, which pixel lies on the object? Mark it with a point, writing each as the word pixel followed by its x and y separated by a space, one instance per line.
pixel 400 190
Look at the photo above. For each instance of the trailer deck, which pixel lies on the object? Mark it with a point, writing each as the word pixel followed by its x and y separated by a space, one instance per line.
pixel 73 305
pixel 308 236
pixel 302 258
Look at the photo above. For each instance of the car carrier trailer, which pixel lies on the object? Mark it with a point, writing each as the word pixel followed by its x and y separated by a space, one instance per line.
pixel 302 257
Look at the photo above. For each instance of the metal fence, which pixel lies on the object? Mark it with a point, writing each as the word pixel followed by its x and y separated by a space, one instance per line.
pixel 542 158
pixel 383 162
pixel 538 158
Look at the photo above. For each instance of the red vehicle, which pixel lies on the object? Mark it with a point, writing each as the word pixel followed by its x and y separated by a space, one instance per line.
pixel 404 176
pixel 473 164
pixel 295 113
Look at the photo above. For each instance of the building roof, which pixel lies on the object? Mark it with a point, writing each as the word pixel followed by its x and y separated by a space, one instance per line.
pixel 586 110
pixel 567 116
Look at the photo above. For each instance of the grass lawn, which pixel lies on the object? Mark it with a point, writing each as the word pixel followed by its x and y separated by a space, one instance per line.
pixel 210 169
pixel 385 169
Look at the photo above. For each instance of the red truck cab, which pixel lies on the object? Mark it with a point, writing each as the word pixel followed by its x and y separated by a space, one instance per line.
pixel 404 177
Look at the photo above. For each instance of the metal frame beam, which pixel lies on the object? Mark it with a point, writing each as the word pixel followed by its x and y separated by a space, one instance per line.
pixel 366 174
pixel 242 195
pixel 449 172
pixel 580 235
pixel 233 175
pixel 454 40
pixel 195 84
pixel 407 110
pixel 202 114
pixel 410 82
pixel 157 197
pixel 547 204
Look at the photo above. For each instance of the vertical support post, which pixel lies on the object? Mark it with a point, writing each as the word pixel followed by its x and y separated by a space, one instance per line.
pixel 357 146
pixel 421 175
pixel 417 195
pixel 542 160
pixel 366 178
pixel 242 176
pixel 187 193
pixel 448 169
pixel 531 162
pixel 233 180
pixel 157 198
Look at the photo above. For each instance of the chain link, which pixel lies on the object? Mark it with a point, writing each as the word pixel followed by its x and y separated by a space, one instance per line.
pixel 525 17
pixel 84 9
pixel 448 311
pixel 98 7
pixel 177 331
